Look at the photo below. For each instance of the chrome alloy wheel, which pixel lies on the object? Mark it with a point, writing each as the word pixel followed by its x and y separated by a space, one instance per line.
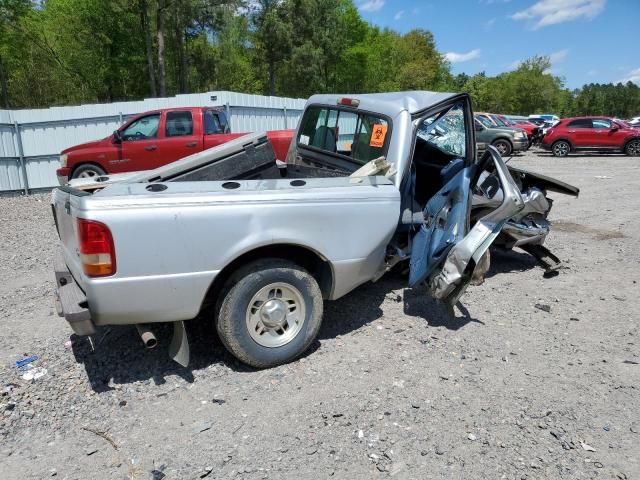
pixel 275 315
pixel 89 173
pixel 633 148
pixel 561 149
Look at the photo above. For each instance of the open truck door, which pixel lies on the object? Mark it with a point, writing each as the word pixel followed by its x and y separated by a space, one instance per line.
pixel 447 249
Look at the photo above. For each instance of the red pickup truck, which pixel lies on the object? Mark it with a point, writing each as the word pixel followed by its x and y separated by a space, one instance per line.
pixel 156 138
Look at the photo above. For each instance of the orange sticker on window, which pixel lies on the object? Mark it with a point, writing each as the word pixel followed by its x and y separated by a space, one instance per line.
pixel 378 135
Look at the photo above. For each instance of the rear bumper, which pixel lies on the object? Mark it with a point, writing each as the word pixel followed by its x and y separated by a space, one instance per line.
pixel 71 302
pixel 63 175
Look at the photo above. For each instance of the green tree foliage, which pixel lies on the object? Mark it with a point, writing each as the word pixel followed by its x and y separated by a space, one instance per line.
pixel 530 88
pixel 58 52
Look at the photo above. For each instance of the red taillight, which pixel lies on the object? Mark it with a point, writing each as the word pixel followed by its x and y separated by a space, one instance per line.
pixel 350 102
pixel 97 253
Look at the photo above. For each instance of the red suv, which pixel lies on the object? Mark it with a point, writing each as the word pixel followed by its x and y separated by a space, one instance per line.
pixel 591 133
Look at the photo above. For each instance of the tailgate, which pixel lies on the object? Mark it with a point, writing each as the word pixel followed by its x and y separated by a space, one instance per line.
pixel 62 202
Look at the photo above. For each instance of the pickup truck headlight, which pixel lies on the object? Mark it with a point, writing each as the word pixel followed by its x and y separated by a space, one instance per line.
pixel 520 135
pixel 63 160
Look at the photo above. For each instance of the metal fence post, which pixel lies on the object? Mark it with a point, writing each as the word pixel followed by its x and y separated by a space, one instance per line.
pixel 23 165
pixel 284 110
pixel 227 109
pixel 120 118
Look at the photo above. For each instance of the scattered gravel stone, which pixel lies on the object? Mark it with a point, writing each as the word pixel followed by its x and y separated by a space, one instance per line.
pixel 354 406
pixel 543 306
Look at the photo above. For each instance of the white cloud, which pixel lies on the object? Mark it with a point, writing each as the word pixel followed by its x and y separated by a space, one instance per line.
pixel 632 76
pixel 552 12
pixel 371 5
pixel 454 57
pixel 488 25
pixel 559 56
pixel 399 15
pixel 514 65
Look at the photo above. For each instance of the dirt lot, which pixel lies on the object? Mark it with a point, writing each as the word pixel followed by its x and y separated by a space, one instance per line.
pixel 394 386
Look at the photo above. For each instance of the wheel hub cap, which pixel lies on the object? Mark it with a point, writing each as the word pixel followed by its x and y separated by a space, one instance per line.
pixel 275 315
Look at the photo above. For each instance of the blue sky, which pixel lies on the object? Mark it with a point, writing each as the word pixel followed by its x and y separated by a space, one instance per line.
pixel 587 40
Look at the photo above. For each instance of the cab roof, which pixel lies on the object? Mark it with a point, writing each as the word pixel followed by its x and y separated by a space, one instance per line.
pixel 390 104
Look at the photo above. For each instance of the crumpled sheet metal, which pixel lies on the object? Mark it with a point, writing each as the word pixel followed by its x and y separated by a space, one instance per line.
pixel 535 201
pixel 529 226
pixel 445 284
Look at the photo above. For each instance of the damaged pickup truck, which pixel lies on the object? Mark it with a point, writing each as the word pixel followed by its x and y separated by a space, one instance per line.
pixel 256 245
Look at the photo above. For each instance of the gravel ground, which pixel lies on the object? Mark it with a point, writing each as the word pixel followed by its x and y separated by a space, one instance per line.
pixel 394 386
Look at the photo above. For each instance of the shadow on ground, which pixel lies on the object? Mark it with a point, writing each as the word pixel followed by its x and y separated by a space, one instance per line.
pixel 507 261
pixel 116 355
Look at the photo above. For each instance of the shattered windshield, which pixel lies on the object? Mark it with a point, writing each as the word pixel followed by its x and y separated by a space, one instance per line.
pixel 446 131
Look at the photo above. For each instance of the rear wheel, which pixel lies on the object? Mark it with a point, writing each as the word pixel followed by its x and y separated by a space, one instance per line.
pixel 270 313
pixel 561 148
pixel 503 146
pixel 633 148
pixel 88 170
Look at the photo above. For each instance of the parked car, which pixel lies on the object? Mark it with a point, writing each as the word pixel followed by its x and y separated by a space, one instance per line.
pixel 506 140
pixel 500 121
pixel 256 246
pixel 591 133
pixel 634 122
pixel 544 123
pixel 547 117
pixel 153 139
pixel 534 133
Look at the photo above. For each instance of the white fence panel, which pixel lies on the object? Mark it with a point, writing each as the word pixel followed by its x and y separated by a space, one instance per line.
pixel 10 176
pixel 45 132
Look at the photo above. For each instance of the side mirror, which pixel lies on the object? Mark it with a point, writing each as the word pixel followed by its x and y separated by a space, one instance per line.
pixel 117 136
pixel 478 127
pixel 614 127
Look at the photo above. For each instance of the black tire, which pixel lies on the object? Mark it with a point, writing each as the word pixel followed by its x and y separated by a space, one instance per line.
pixel 561 148
pixel 232 322
pixel 88 170
pixel 632 148
pixel 503 146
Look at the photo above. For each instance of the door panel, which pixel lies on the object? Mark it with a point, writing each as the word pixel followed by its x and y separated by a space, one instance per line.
pixel 445 225
pixel 443 254
pixel 580 133
pixel 180 137
pixel 215 139
pixel 140 144
pixel 606 137
pixel 584 137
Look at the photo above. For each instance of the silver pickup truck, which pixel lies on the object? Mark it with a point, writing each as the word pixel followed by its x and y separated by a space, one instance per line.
pixel 257 245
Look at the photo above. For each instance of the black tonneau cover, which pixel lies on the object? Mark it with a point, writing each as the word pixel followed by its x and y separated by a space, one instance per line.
pixel 547 183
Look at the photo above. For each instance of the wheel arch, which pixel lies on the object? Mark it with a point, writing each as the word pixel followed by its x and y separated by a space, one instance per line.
pixel 502 137
pixel 86 162
pixel 312 261
pixel 629 140
pixel 563 139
